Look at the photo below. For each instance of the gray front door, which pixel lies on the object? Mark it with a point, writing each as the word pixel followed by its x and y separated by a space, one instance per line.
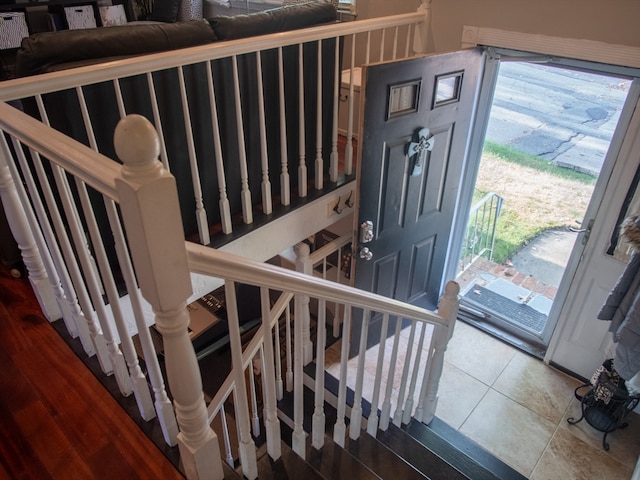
pixel 413 145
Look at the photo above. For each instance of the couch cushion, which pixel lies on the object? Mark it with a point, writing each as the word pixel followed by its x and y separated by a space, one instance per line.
pixel 282 19
pixel 165 10
pixel 43 51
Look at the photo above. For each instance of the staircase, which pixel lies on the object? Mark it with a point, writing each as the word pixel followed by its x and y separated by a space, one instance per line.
pixel 413 451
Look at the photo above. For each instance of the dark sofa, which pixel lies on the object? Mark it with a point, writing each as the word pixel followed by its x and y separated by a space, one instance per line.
pixel 47 52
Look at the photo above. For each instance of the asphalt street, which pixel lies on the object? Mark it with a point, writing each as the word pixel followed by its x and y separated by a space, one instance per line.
pixel 564 116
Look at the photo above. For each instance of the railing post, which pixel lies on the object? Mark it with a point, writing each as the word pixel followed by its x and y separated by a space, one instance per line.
pixel 151 215
pixel 24 237
pixel 304 265
pixel 447 309
pixel 422 29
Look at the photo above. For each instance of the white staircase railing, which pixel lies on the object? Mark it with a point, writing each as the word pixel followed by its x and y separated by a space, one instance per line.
pixel 79 96
pixel 143 194
pixel 419 371
pixel 110 281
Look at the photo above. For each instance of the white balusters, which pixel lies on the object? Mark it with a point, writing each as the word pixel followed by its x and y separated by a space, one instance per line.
pixel 382 38
pixel 372 421
pixel 117 359
pixel 90 332
pixel 245 194
pixel 225 434
pixel 285 183
pixel 289 360
pixel 157 122
pixel 298 437
pixel 255 420
pixel 264 156
pixel 397 416
pixel 225 211
pixel 385 412
pixel 408 406
pixel 159 257
pixel 246 446
pixel 348 151
pixel 333 165
pixel 340 428
pixel 302 155
pixel 303 316
pixel 272 424
pixel 408 41
pixel 356 410
pixel 22 224
pixel 319 174
pixel 395 43
pixel 278 363
pixel 201 213
pixel 318 427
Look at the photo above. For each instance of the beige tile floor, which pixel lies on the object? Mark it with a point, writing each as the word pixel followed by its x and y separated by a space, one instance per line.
pixel 517 407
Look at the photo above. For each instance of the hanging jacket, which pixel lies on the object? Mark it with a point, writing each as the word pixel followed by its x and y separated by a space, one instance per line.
pixel 622 307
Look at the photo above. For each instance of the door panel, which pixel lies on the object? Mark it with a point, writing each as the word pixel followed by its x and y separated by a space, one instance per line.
pixel 411 199
pixel 581 342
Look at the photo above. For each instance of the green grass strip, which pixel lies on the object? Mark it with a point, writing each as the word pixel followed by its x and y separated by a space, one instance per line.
pixel 510 154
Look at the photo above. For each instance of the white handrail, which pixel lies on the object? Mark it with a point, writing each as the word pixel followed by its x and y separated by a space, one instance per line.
pixel 51 144
pixel 107 71
pixel 213 262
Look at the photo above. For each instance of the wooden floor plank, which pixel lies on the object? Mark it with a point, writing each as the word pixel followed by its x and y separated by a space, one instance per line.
pixel 56 419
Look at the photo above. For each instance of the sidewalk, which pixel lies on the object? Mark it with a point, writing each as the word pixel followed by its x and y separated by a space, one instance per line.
pixel 523 290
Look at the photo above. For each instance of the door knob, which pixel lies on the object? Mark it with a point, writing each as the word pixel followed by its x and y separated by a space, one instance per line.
pixel 366 254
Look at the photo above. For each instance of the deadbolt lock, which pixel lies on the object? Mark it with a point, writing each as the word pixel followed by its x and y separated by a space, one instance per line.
pixel 366 231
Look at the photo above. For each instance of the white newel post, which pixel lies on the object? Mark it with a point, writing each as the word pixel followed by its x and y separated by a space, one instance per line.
pixel 19 224
pixel 151 215
pixel 303 265
pixel 420 39
pixel 447 309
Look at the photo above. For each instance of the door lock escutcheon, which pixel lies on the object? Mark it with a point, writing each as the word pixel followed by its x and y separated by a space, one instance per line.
pixel 366 231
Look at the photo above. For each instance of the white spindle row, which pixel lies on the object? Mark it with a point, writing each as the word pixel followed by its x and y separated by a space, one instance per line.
pixel 206 57
pixel 62 244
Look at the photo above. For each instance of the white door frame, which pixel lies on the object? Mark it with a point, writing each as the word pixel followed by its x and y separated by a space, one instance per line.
pixel 567 48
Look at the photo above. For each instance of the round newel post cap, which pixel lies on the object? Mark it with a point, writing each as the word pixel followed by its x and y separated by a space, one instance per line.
pixel 452 289
pixel 137 144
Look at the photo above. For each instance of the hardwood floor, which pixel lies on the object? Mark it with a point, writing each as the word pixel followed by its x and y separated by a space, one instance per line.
pixel 56 418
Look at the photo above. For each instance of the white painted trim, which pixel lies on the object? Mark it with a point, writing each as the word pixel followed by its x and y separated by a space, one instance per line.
pixel 588 50
pixel 268 241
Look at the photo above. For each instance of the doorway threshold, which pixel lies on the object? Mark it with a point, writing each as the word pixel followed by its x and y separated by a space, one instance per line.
pixel 531 348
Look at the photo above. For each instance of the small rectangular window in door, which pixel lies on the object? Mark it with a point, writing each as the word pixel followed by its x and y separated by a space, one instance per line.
pixel 447 89
pixel 403 99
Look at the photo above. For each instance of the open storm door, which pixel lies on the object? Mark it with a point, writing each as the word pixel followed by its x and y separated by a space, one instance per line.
pixel 413 145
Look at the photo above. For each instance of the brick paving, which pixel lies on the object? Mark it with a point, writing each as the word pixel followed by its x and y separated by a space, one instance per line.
pixel 483 266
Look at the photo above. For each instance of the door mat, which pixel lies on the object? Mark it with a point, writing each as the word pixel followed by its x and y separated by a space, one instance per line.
pixel 506 309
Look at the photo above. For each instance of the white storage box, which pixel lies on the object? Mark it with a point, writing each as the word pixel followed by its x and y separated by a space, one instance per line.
pixel 111 15
pixel 13 28
pixel 343 112
pixel 81 16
